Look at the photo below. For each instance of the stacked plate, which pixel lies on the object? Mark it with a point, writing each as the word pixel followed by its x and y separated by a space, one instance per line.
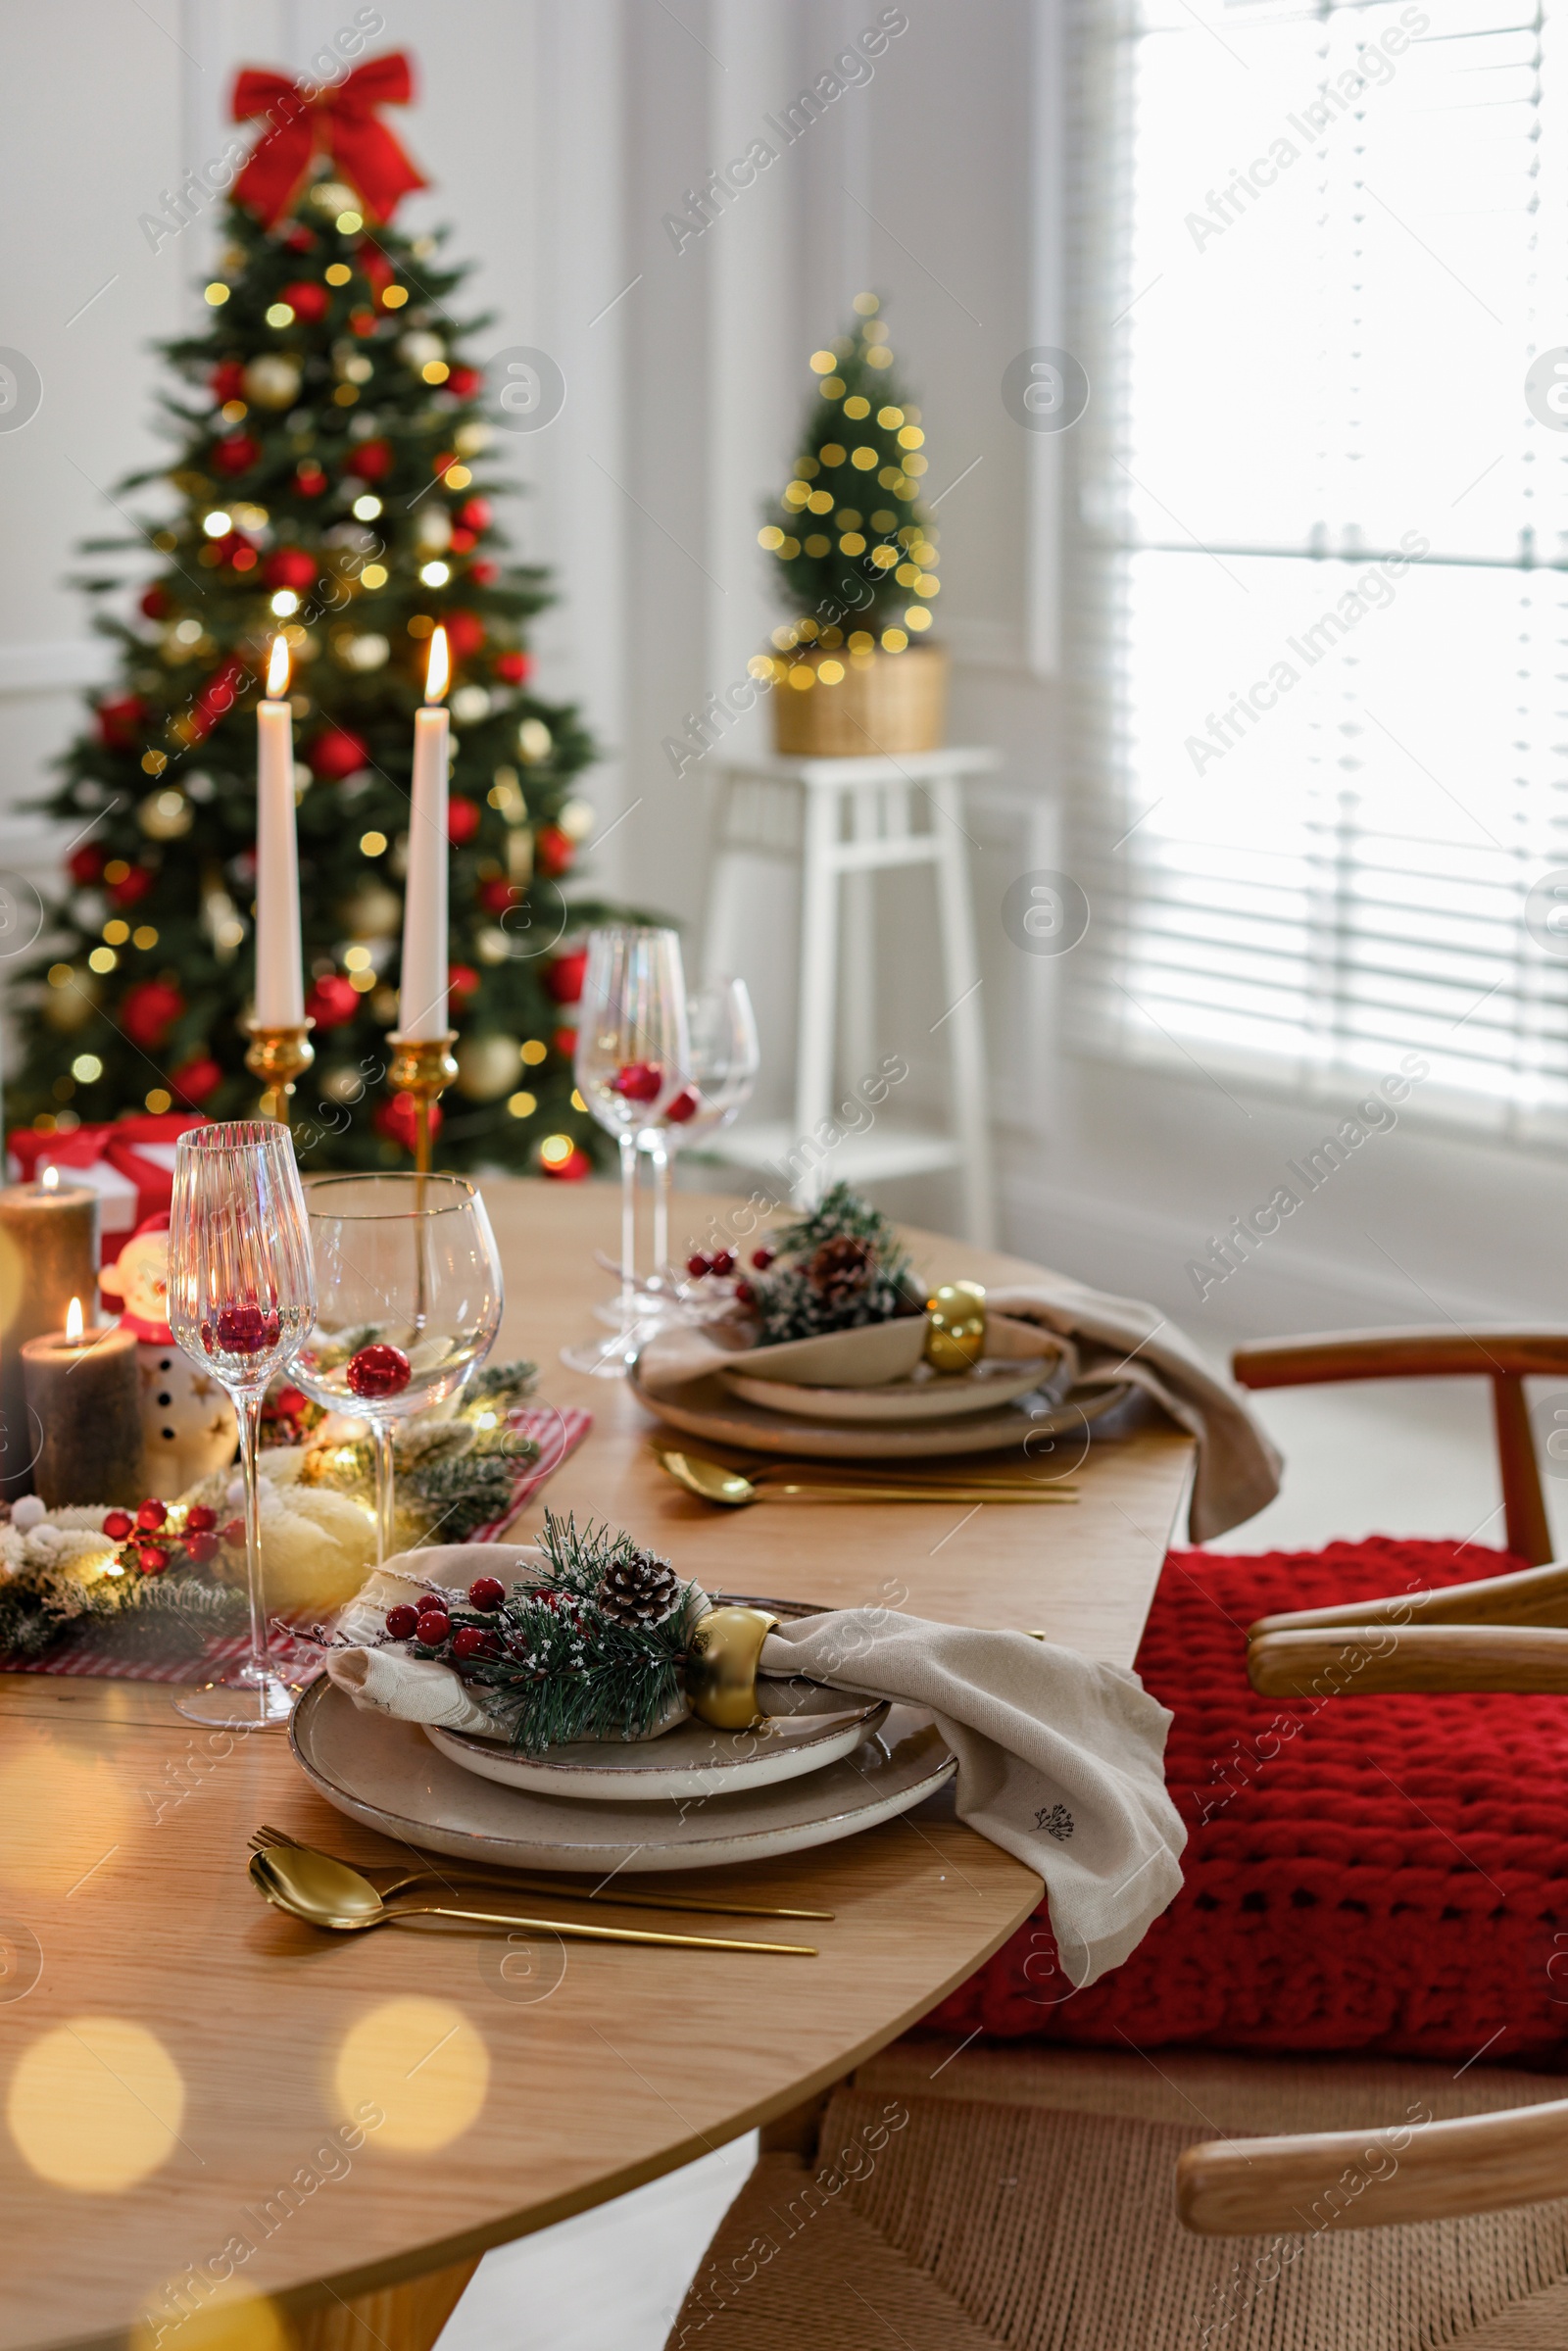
pixel 825 1767
pixel 869 1395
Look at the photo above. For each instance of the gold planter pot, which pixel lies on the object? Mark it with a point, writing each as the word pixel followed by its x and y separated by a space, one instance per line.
pixel 881 702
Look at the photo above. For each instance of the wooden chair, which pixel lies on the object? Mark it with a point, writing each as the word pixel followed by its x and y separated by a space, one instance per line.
pixel 1505 1355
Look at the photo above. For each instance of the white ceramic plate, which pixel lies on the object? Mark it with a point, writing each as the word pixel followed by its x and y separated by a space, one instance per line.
pixel 690 1762
pixel 705 1407
pixel 934 1398
pixel 388 1777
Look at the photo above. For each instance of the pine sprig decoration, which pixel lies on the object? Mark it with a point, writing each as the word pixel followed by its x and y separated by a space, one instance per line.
pixel 840 1267
pixel 562 1659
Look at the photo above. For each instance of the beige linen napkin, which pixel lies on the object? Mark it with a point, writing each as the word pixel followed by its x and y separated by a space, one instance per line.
pixel 1116 1339
pixel 1061 1758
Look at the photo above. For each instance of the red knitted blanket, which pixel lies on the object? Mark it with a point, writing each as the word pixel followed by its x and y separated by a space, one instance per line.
pixel 1386 1874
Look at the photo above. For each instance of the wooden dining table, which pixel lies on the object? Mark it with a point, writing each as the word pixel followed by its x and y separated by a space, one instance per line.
pixel 223 2128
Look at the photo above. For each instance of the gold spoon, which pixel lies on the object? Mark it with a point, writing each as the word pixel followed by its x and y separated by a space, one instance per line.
pixel 711 1482
pixel 325 1892
pixel 386 1882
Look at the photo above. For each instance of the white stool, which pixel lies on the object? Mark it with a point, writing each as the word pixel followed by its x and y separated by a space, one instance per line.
pixel 853 818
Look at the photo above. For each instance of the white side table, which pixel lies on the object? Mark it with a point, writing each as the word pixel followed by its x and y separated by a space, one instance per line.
pixel 842 821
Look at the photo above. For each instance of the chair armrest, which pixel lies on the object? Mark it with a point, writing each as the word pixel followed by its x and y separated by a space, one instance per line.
pixel 1422 1353
pixel 1366 1662
pixel 1532 1596
pixel 1380 2178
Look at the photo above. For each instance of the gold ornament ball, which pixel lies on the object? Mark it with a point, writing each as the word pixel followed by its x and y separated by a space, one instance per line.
pixel 166 815
pixel 488 1067
pixel 345 1084
pixel 71 1003
pixel 957 1338
pixel 272 380
pixel 373 912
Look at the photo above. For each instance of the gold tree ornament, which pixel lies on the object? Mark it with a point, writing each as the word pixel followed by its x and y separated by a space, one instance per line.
pixel 488 1067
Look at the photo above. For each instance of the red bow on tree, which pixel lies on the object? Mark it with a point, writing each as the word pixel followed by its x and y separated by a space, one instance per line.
pixel 342 121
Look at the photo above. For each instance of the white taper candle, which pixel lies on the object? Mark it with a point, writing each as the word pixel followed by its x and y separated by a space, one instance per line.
pixel 279 970
pixel 422 991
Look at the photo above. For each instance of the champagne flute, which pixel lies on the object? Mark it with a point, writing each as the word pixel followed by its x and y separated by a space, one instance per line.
pixel 631 1060
pixel 722 1065
pixel 241 1298
pixel 409 1280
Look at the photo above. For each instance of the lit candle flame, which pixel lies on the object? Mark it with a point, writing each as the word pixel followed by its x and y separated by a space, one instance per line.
pixel 50 1178
pixel 277 668
pixel 438 669
pixel 74 1322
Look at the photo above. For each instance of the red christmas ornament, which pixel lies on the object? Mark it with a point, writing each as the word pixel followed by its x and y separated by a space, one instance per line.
pixel 375 264
pixel 149 1011
pixel 569 1171
pixel 638 1082
pixel 397 1121
pixel 156 600
pixel 289 568
pixel 131 886
pixel 475 514
pixel 402 1621
pixel 461 540
pixel 497 897
pixel 484 574
pixel 762 1258
pixel 236 454
pixel 332 1003
pixel 310 478
pixel 371 461
pixel 512 668
pixel 119 723
pixel 116 1525
pixel 685 1105
pixel 340 120
pixel 553 852
pixel 242 1331
pixel 464 382
pixel 152 1515
pixel 379 1370
pixel 199 1520
pixel 462 819
pixel 361 322
pixel 228 380
pixel 563 977
pixel 299 238
pixel 194 1080
pixel 464 634
pixel 462 980
pixel 334 754
pixel 308 298
pixel 564 1042
pixel 291 1402
pixel 85 865
pixel 215 699
pixel 486 1592
pixel 152 1559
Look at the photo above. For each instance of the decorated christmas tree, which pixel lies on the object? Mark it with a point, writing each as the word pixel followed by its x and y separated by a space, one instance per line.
pixel 329 479
pixel 857 556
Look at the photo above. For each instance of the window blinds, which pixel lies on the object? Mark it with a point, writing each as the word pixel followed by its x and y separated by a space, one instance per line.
pixel 1320 554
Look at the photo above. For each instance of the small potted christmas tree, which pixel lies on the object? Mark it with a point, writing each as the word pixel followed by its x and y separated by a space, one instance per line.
pixel 853 669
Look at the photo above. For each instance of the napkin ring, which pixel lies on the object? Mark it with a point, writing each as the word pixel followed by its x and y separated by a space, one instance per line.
pixel 721 1662
pixel 956 1334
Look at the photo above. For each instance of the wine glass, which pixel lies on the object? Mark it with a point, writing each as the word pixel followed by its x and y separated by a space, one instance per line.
pixel 723 1063
pixel 631 1061
pixel 409 1281
pixel 241 1298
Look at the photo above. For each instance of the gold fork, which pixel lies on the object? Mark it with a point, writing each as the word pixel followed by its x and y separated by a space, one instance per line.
pixel 393 1880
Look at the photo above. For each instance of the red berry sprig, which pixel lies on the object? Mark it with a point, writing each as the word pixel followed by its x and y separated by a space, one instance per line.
pixel 379 1370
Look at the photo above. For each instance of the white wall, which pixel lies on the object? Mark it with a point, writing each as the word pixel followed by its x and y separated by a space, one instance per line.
pixel 559 133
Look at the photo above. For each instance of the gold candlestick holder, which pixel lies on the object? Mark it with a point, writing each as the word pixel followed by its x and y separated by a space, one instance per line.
pixel 278 1056
pixel 423 1067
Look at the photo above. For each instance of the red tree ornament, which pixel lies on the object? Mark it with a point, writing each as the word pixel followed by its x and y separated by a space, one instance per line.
pixel 289 568
pixel 85 865
pixel 156 602
pixel 235 455
pixel 371 461
pixel 512 668
pixel 308 298
pixel 554 851
pixel 228 380
pixel 131 886
pixel 332 1001
pixel 310 478
pixel 194 1080
pixel 464 634
pixel 148 1011
pixel 119 723
pixel 563 977
pixel 334 754
pixel 570 1170
pixel 462 819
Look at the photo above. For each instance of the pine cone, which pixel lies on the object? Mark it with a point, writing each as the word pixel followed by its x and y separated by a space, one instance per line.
pixel 638 1590
pixel 840 1267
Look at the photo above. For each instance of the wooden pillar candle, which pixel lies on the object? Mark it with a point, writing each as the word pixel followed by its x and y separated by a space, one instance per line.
pixel 48 1256
pixel 85 1408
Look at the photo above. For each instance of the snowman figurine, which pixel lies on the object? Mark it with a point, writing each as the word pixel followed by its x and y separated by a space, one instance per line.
pixel 187 1422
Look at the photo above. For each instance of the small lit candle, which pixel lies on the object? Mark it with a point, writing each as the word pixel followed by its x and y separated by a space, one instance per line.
pixel 48 1256
pixel 84 1414
pixel 279 970
pixel 422 986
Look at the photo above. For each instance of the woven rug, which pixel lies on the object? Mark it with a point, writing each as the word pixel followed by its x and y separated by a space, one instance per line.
pixel 1385 1873
pixel 556 1431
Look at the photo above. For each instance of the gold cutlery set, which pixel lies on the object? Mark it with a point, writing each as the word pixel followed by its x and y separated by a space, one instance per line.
pixel 807 1482
pixel 347 1898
